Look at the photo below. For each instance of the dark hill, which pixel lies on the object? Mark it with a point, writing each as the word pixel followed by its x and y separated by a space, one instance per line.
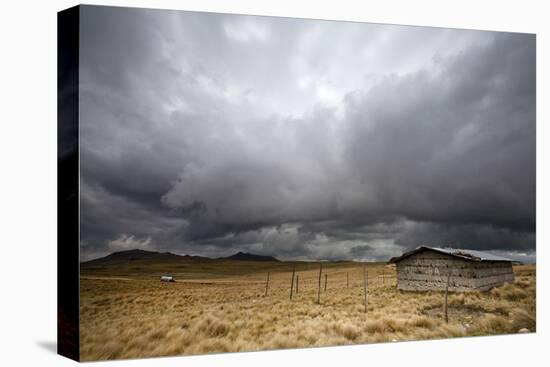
pixel 142 259
pixel 245 256
pixel 142 256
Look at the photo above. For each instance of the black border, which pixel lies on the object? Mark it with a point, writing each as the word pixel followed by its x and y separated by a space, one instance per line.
pixel 68 253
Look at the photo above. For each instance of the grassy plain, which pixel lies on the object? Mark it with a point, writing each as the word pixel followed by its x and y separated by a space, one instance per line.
pixel 221 306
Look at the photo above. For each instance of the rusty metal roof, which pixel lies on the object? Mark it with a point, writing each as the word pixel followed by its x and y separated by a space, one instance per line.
pixel 470 255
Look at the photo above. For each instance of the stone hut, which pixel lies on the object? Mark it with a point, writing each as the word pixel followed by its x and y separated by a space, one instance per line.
pixel 426 268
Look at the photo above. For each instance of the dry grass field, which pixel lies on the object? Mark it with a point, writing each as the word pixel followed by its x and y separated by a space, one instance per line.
pixel 222 307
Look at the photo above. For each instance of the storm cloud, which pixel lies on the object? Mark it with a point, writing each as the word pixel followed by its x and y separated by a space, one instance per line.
pixel 210 134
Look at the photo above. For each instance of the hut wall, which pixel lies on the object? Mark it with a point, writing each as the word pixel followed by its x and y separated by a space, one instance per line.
pixel 427 270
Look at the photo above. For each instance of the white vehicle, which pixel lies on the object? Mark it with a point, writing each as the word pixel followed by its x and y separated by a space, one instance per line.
pixel 167 278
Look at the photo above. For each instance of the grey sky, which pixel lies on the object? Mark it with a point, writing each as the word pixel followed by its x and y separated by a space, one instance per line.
pixel 209 134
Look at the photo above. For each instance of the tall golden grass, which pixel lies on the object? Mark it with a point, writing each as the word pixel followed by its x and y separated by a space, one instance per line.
pixel 138 316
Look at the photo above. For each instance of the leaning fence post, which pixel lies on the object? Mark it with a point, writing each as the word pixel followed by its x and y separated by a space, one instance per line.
pixel 267 284
pixel 319 290
pixel 292 281
pixel 446 293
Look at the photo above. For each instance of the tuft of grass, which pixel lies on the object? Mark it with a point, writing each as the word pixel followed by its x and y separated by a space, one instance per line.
pixel 423 322
pixel 347 330
pixel 213 327
pixel 522 318
pixel 510 292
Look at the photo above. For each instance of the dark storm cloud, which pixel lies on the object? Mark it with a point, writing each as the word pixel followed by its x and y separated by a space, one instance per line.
pixel 209 134
pixel 455 146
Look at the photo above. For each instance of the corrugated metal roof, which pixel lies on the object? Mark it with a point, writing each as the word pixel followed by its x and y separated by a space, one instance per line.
pixel 471 255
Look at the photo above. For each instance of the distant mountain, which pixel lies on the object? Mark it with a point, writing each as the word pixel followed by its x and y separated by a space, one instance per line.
pixel 142 256
pixel 152 257
pixel 245 256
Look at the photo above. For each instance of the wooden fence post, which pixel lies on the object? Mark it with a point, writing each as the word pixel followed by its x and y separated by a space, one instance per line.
pixel 297 278
pixel 326 279
pixel 365 280
pixel 446 293
pixel 319 290
pixel 267 284
pixel 292 281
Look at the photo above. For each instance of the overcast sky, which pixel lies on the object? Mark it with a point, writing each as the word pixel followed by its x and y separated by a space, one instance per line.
pixel 208 134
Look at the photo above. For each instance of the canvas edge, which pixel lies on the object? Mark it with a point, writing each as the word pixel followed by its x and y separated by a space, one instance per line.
pixel 68 252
